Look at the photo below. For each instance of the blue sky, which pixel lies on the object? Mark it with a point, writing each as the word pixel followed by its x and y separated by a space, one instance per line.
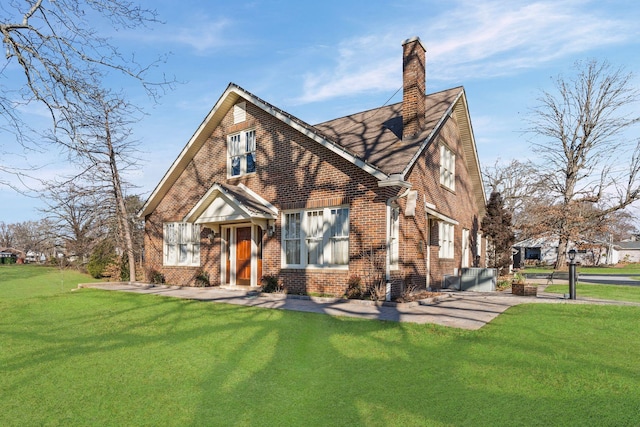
pixel 322 60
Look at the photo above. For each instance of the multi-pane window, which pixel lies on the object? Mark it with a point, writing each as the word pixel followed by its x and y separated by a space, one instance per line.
pixel 339 236
pixel 315 236
pixel 291 237
pixel 447 168
pixel 242 153
pixel 181 243
pixel 318 237
pixel 445 239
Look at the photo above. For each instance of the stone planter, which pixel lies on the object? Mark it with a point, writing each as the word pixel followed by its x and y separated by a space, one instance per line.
pixel 524 290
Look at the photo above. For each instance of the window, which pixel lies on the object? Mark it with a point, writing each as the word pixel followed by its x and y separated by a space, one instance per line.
pixel 445 239
pixel 447 168
pixel 181 244
pixel 318 237
pixel 242 153
pixel 292 238
pixel 394 234
pixel 479 244
pixel 315 235
pixel 339 236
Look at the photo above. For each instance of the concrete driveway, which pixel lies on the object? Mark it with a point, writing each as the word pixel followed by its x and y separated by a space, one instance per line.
pixel 465 310
pixel 610 279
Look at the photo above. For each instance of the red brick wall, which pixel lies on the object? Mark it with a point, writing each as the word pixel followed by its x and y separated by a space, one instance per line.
pixel 459 205
pixel 293 170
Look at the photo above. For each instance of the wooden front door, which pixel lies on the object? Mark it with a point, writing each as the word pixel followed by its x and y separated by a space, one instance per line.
pixel 243 256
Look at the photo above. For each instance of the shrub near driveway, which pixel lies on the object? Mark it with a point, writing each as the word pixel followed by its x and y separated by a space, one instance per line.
pixel 95 357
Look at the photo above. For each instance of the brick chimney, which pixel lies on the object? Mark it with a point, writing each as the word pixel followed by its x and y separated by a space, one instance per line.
pixel 413 82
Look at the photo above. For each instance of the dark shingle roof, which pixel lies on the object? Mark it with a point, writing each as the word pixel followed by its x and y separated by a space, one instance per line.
pixel 629 245
pixel 375 135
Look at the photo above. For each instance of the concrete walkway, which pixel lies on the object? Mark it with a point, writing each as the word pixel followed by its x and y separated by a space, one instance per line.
pixel 465 310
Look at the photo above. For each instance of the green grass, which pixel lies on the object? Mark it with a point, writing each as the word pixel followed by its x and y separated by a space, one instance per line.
pixel 612 292
pixel 24 281
pixel 94 357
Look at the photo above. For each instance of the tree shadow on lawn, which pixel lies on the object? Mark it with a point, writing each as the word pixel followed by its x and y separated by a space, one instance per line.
pixel 244 365
pixel 302 368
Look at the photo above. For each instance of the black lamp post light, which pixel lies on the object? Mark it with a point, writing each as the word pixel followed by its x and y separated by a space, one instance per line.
pixel 572 274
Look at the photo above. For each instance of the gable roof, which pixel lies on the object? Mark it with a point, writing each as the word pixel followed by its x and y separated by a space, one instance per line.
pixel 376 135
pixel 228 99
pixel 371 140
pixel 224 203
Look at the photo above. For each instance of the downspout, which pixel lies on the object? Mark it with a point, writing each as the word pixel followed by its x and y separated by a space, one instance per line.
pixel 428 250
pixel 391 204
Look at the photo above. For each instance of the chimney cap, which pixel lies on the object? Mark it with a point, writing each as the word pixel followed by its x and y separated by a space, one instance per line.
pixel 414 39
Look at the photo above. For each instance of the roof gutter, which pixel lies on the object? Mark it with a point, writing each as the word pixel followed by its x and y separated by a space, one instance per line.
pixel 395 180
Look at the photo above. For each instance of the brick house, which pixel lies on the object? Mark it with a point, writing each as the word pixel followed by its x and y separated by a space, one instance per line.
pixel 392 194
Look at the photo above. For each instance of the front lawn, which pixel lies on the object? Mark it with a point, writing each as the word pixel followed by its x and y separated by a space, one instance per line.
pixel 612 292
pixel 92 357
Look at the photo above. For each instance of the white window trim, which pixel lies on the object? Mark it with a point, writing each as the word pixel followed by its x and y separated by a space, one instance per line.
pixel 446 234
pixel 327 238
pixel 188 237
pixel 447 168
pixel 242 154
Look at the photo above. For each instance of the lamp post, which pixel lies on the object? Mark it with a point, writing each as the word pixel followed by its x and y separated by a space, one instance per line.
pixel 572 274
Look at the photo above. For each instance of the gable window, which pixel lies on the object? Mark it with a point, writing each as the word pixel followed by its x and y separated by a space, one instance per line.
pixel 447 168
pixel 241 149
pixel 445 239
pixel 316 237
pixel 181 244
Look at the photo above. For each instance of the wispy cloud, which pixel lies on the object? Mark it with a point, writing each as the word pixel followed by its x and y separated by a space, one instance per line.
pixel 201 35
pixel 204 35
pixel 472 40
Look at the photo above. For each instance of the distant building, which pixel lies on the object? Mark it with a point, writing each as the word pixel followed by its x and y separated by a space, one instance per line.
pixel 627 251
pixel 11 256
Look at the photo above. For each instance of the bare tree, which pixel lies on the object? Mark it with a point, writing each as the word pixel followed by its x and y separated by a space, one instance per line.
pixel 27 236
pixel 99 142
pixel 6 235
pixel 581 129
pixel 520 186
pixel 134 204
pixel 56 55
pixel 77 217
